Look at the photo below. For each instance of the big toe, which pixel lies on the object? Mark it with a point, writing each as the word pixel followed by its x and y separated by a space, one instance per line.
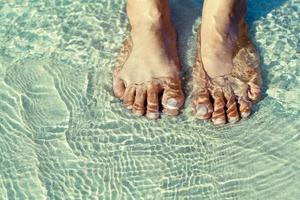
pixel 173 99
pixel 202 105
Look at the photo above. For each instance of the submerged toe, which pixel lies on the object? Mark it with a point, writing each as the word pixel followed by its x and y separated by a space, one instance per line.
pixel 245 106
pixel 152 101
pixel 202 105
pixel 232 112
pixel 218 116
pixel 231 107
pixel 254 91
pixel 172 100
pixel 129 97
pixel 118 85
pixel 139 103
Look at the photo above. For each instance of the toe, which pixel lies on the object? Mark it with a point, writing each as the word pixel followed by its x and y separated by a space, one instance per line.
pixel 118 84
pixel 139 102
pixel 152 101
pixel 202 105
pixel 218 116
pixel 254 91
pixel 232 111
pixel 173 99
pixel 244 103
pixel 231 106
pixel 129 97
pixel 245 106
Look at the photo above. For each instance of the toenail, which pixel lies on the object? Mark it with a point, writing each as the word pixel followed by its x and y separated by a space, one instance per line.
pixel 139 113
pixel 171 111
pixel 233 119
pixel 128 107
pixel 152 115
pixel 245 114
pixel 172 103
pixel 201 110
pixel 218 121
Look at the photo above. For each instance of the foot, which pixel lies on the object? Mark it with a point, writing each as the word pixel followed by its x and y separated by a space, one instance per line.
pixel 227 97
pixel 147 73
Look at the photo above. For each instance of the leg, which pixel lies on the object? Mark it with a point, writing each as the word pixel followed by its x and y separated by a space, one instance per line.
pixel 219 32
pixel 148 63
pixel 226 73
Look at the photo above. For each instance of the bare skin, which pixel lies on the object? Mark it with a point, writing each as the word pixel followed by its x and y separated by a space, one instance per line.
pixel 226 77
pixel 148 64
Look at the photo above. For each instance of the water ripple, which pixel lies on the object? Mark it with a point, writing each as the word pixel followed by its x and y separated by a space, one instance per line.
pixel 64 135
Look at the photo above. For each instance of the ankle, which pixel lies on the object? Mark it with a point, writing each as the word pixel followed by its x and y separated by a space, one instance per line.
pixel 144 14
pixel 146 28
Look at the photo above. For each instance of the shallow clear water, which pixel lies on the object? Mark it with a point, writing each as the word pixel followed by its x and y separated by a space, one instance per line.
pixel 64 136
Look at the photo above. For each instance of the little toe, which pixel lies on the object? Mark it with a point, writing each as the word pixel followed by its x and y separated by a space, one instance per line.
pixel 202 106
pixel 152 102
pixel 245 106
pixel 254 91
pixel 139 102
pixel 129 97
pixel 118 85
pixel 218 116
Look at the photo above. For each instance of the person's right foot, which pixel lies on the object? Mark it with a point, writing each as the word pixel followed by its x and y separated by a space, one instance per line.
pixel 148 66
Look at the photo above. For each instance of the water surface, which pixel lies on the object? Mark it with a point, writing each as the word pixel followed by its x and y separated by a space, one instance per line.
pixel 64 136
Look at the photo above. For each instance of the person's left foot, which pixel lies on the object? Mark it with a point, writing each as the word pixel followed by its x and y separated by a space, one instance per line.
pixel 229 97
